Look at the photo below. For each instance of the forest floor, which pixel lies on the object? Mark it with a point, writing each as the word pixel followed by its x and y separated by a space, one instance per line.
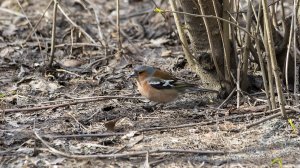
pixel 57 116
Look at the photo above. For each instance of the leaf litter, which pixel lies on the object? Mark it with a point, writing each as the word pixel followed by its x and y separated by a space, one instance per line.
pixel 88 71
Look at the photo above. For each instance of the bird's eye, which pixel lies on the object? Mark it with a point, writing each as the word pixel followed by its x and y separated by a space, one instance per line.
pixel 140 72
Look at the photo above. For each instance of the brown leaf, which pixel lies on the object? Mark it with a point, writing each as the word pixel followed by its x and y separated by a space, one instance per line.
pixel 110 125
pixel 135 140
pixel 166 53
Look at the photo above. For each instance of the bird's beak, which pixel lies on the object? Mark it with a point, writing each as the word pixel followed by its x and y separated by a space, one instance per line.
pixel 133 75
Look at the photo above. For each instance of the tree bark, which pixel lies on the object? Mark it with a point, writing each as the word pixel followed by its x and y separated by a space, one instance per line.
pixel 205 35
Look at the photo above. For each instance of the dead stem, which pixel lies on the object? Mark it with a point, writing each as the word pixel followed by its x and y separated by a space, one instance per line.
pixel 53 32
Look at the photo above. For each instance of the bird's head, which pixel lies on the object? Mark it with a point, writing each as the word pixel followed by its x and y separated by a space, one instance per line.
pixel 142 69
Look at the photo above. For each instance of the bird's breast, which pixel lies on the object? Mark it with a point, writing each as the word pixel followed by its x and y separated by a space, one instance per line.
pixel 156 95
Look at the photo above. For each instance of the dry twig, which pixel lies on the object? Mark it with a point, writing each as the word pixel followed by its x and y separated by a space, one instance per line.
pixel 53 33
pixel 122 155
pixel 289 109
pixel 99 98
pixel 275 67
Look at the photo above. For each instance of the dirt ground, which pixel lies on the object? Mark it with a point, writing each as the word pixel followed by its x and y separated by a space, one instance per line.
pixel 120 131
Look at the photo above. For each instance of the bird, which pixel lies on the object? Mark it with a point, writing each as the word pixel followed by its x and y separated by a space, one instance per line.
pixel 160 86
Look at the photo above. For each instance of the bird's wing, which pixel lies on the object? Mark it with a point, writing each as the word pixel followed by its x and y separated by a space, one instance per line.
pixel 159 83
pixel 178 85
pixel 164 75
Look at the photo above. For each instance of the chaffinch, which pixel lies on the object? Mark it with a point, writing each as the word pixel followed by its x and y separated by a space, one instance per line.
pixel 160 86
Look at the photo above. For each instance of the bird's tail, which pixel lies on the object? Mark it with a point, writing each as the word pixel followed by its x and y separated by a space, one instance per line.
pixel 205 90
pixel 186 87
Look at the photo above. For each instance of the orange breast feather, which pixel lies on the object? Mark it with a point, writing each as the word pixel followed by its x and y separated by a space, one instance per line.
pixel 156 95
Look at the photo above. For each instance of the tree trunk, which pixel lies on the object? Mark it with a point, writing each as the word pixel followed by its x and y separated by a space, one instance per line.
pixel 205 35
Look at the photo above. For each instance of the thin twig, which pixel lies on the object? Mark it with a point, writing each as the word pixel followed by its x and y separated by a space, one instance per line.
pixel 71 99
pixel 119 53
pixel 122 32
pixel 78 122
pixel 121 134
pixel 194 151
pixel 65 104
pixel 148 11
pixel 85 135
pixel 238 83
pixel 66 71
pixel 296 66
pixel 162 14
pixel 39 21
pixel 289 109
pixel 263 120
pixel 37 39
pixel 144 129
pixel 225 36
pixel 183 39
pixel 260 58
pixel 75 25
pixel 228 98
pixel 275 68
pixel 174 127
pixel 53 33
pixel 12 12
pixel 213 48
pixel 77 44
pixel 214 17
pixel 287 58
pixel 100 33
pixel 121 155
pixel 246 51
pixel 293 108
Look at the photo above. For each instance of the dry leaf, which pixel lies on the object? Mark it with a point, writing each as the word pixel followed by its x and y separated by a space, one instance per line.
pixel 110 125
pixel 166 53
pixel 44 86
pixel 159 41
pixel 129 135
pixel 71 63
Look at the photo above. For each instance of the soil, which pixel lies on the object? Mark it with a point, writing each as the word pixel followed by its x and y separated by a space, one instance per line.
pixel 189 132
